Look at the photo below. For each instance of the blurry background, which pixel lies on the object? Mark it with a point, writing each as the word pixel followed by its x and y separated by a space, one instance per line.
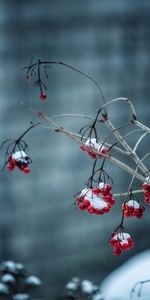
pixel 39 226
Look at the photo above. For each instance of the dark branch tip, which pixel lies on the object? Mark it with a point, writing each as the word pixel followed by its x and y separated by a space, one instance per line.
pixel 105 116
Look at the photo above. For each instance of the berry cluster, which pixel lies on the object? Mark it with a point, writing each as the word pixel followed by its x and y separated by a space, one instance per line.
pixel 15 282
pixel 132 208
pixel 121 241
pixel 146 189
pixel 98 200
pixel 82 289
pixel 19 159
pixel 91 144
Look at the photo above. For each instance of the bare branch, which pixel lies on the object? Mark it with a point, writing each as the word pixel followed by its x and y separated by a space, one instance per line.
pixel 128 101
pixel 138 285
pixel 145 128
pixel 111 158
pixel 126 146
pixel 139 141
pixel 128 193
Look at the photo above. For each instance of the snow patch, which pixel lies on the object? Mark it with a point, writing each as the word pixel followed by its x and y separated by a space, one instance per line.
pixel 118 285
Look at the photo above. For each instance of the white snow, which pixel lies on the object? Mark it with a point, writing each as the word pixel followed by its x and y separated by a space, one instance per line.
pixel 86 191
pixel 8 278
pixel 133 203
pixel 73 284
pixel 19 266
pixel 33 280
pixel 118 285
pixel 19 154
pixel 121 236
pixel 3 289
pixel 98 203
pixel 20 296
pixel 102 185
pixel 88 287
pixel 97 296
pixel 148 179
pixel 9 265
pixel 93 143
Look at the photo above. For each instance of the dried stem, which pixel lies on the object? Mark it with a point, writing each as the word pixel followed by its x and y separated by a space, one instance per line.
pixel 145 128
pixel 31 67
pixel 126 147
pixel 111 158
pixel 139 284
pixel 128 193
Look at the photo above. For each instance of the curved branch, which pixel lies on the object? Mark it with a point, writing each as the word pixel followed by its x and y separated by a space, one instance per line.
pixel 128 193
pixel 122 141
pixel 43 63
pixel 145 128
pixel 127 100
pixel 140 285
pixel 111 158
pixel 139 141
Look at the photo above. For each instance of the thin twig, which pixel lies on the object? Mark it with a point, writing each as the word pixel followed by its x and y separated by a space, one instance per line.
pixel 127 100
pixel 139 141
pixel 138 284
pixel 39 63
pixel 145 128
pixel 111 158
pixel 128 193
pixel 126 146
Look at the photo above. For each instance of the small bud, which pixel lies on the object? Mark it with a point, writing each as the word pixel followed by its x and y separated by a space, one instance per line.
pixel 29 77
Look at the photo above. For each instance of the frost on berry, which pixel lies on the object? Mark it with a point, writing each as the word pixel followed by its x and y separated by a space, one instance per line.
pixel 121 241
pixel 94 144
pixel 146 188
pixel 20 160
pixel 132 208
pixel 97 200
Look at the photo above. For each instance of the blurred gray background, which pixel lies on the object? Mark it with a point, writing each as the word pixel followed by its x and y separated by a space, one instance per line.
pixel 39 226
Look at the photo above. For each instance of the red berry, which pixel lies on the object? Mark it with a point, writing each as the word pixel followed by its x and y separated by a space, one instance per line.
pixel 10 167
pixel 90 209
pixel 26 170
pixel 42 96
pixel 82 147
pixel 96 190
pixel 86 203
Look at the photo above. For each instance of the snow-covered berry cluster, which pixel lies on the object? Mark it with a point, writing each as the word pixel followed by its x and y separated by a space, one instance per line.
pixel 146 189
pixel 98 200
pixel 20 160
pixel 82 289
pixel 132 208
pixel 94 144
pixel 121 241
pixel 15 283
